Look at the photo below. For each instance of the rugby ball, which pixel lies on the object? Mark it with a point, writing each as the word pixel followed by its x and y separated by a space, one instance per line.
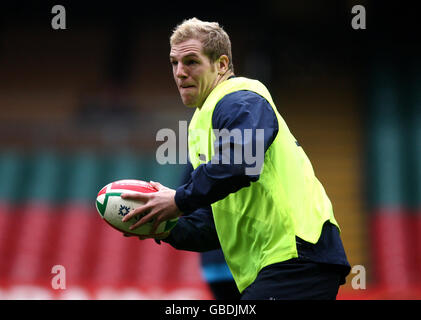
pixel 112 208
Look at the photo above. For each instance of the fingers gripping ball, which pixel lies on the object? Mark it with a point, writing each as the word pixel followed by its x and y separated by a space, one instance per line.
pixel 112 208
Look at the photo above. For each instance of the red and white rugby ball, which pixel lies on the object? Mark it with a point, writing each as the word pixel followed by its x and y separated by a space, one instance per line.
pixel 112 208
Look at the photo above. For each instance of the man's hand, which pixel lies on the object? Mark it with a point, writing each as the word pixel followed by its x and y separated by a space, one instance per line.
pixel 159 205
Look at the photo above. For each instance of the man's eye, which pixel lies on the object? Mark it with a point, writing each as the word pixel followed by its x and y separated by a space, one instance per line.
pixel 174 63
pixel 190 62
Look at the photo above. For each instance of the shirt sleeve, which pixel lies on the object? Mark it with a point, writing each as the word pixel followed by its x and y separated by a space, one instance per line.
pixel 195 232
pixel 246 125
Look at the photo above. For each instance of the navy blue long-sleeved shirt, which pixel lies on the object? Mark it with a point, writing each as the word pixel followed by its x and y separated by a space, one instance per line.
pixel 211 182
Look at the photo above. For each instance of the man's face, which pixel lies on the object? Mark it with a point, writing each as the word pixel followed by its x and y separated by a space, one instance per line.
pixel 193 72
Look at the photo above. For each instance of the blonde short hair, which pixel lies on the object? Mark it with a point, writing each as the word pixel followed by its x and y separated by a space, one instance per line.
pixel 214 39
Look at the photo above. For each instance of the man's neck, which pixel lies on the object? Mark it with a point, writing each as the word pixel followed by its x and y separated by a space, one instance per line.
pixel 223 77
pixel 219 80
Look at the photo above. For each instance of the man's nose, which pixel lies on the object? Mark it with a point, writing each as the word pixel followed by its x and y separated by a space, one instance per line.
pixel 180 72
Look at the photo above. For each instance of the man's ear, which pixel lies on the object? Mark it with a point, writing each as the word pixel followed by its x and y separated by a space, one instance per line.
pixel 223 63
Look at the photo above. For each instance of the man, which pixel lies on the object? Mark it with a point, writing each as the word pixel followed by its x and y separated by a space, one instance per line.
pixel 272 217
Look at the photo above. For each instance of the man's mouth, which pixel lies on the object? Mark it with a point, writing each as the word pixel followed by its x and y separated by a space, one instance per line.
pixel 186 86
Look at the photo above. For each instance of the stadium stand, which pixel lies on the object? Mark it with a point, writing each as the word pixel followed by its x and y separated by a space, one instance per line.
pixel 52 221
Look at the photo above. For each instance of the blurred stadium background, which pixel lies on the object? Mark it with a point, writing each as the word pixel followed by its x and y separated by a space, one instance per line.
pixel 81 107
